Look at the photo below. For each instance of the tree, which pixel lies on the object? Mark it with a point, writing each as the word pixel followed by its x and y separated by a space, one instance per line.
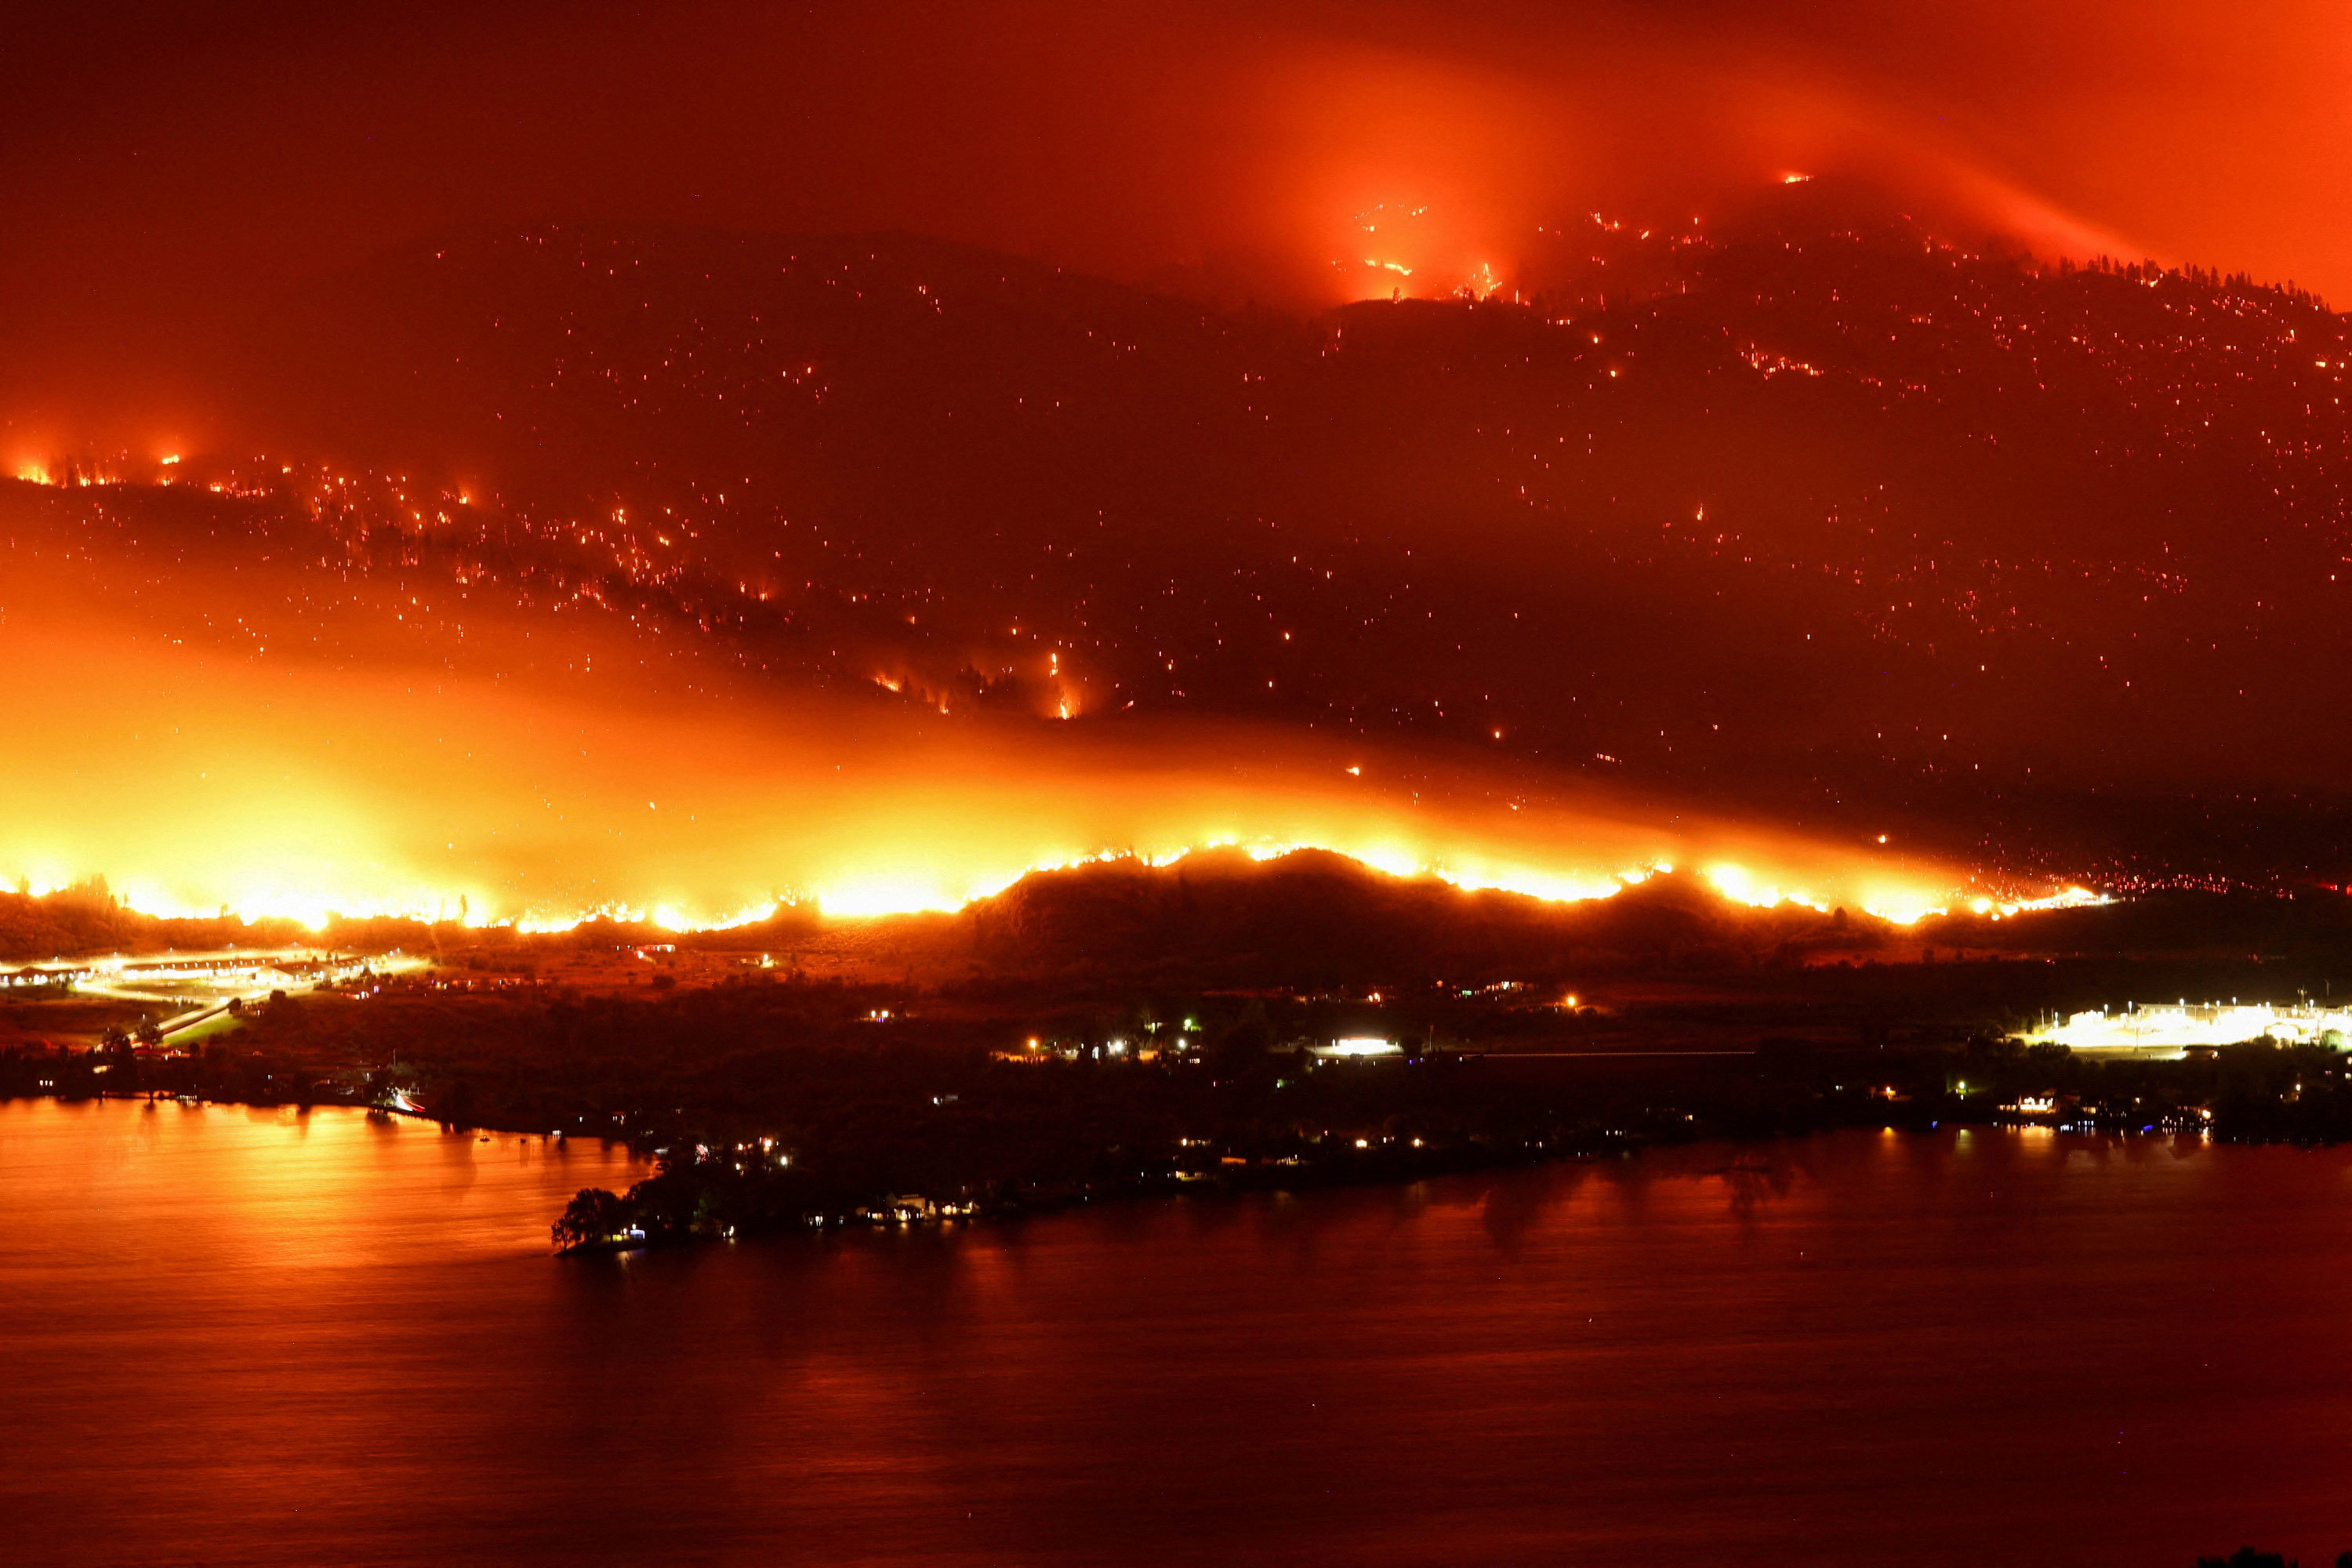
pixel 594 1215
pixel 1245 1044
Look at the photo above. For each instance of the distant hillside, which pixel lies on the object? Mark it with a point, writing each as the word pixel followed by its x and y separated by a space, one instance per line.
pixel 1318 919
pixel 1822 517
pixel 87 920
pixel 1305 920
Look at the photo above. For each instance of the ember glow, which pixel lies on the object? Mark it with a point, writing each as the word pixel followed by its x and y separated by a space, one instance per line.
pixel 1467 472
pixel 1704 621
pixel 266 723
pixel 1615 613
pixel 194 783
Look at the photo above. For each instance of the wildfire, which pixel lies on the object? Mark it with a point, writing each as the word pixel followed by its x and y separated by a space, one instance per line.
pixel 948 882
pixel 303 793
pixel 438 766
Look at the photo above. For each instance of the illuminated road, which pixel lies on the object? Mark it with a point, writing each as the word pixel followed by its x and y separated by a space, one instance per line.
pixel 252 978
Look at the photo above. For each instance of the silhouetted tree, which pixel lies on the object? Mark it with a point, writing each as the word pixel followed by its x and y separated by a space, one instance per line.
pixel 594 1215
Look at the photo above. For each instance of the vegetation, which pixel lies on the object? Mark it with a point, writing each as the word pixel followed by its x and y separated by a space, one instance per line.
pixel 771 1102
pixel 1119 1030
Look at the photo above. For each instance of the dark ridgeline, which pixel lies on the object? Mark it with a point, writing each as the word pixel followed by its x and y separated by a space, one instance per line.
pixel 1314 921
pixel 1825 516
pixel 89 919
pixel 1306 920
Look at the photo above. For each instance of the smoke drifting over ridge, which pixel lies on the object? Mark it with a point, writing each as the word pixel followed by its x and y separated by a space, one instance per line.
pixel 296 743
pixel 176 165
pixel 1696 464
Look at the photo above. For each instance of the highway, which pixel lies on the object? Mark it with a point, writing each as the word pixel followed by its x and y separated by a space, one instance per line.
pixel 245 977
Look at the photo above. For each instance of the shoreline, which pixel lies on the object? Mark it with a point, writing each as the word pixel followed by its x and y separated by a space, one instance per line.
pixel 1228 1178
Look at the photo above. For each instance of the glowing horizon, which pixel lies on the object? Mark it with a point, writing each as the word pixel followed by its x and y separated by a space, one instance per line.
pixel 481 771
pixel 890 894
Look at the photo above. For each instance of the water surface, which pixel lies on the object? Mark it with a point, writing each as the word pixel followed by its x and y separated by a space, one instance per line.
pixel 234 1336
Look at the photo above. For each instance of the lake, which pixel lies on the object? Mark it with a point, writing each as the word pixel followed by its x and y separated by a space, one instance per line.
pixel 244 1336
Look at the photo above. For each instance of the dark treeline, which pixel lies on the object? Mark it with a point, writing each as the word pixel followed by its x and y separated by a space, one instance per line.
pixel 769 1102
pixel 1313 919
pixel 1164 1058
pixel 216 1072
pixel 87 918
pixel 1012 1134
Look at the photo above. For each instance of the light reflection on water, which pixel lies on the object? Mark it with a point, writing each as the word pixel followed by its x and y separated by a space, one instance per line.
pixel 243 1336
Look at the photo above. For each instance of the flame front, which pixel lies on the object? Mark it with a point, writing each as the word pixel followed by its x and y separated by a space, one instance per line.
pixel 204 751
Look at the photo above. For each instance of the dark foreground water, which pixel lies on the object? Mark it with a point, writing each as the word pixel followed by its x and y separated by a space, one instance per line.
pixel 232 1336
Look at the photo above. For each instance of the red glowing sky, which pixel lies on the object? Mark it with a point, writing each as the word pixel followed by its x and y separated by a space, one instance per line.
pixel 170 162
pixel 2012 535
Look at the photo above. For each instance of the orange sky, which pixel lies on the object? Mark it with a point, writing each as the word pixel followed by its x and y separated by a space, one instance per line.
pixel 173 170
pixel 169 167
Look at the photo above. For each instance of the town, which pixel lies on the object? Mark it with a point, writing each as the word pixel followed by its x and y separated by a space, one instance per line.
pixel 774 1088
